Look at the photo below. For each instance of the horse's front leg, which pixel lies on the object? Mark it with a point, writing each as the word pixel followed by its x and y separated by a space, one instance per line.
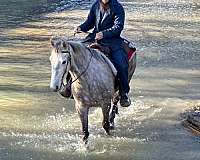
pixel 106 123
pixel 83 114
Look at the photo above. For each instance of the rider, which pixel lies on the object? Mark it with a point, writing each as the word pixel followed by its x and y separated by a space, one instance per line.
pixel 107 18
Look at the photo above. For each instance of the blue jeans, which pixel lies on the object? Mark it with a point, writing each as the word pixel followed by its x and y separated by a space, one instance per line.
pixel 120 60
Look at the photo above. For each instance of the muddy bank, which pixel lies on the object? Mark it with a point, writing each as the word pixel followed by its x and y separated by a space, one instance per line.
pixel 192 119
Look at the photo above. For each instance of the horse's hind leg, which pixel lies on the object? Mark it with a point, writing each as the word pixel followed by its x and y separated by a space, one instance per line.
pixel 105 123
pixel 114 111
pixel 83 113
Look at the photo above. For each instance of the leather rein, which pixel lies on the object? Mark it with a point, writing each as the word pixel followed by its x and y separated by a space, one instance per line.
pixel 69 62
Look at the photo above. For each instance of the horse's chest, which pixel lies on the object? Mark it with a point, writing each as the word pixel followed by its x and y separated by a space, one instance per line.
pixel 95 85
pixel 92 92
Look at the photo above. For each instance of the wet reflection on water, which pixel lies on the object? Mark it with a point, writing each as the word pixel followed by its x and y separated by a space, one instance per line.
pixel 38 124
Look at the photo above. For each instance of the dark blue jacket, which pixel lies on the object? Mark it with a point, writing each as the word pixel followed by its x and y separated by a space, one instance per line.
pixel 111 25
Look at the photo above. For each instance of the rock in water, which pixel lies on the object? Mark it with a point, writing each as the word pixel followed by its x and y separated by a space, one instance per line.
pixel 193 118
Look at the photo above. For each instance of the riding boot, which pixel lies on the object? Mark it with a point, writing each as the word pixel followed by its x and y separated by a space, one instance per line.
pixel 120 61
pixel 125 100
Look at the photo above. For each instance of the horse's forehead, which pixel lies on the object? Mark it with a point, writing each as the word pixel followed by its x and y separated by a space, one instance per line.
pixel 56 54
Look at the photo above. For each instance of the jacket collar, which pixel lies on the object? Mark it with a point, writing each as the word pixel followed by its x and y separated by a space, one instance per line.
pixel 105 13
pixel 98 12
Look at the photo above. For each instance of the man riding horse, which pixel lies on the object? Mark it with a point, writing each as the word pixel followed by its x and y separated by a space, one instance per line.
pixel 107 18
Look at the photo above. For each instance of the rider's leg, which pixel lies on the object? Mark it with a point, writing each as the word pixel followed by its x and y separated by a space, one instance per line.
pixel 120 61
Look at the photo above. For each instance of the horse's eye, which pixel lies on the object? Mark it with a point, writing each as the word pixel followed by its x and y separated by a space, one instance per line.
pixel 64 62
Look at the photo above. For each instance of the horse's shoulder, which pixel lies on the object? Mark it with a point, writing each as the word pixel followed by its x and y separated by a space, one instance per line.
pixel 103 59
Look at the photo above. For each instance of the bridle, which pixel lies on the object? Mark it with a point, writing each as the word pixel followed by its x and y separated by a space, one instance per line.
pixel 69 62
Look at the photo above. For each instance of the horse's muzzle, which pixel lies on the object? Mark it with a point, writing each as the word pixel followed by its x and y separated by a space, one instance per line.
pixel 55 89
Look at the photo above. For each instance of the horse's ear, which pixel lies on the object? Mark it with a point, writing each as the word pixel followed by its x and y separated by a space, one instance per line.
pixel 64 45
pixel 67 45
pixel 52 41
pixel 55 42
pixel 71 46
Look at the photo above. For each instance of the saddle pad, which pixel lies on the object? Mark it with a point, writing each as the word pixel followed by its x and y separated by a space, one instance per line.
pixel 131 54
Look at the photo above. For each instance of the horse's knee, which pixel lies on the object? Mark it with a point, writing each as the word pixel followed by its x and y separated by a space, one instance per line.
pixel 83 114
pixel 82 111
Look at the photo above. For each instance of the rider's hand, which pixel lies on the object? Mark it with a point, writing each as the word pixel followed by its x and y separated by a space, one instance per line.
pixel 77 30
pixel 99 36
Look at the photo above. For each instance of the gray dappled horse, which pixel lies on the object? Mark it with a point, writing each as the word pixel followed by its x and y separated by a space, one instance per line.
pixel 93 78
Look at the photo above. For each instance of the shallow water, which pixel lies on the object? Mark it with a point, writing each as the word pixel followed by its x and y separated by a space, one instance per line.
pixel 38 124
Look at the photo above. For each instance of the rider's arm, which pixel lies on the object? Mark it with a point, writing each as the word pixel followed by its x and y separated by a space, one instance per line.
pixel 90 22
pixel 118 26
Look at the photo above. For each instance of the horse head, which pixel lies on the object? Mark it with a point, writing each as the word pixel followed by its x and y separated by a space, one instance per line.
pixel 60 59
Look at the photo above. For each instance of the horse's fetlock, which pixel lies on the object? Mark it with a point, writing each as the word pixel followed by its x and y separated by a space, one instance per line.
pixel 106 126
pixel 86 135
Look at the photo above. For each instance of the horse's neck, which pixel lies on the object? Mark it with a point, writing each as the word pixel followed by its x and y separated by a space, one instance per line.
pixel 80 61
pixel 88 63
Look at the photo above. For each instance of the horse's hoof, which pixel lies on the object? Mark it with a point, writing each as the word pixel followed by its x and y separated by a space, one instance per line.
pixel 85 138
pixel 108 132
pixel 85 141
pixel 112 126
pixel 107 129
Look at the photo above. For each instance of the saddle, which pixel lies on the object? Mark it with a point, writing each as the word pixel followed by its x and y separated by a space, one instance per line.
pixel 104 49
pixel 129 49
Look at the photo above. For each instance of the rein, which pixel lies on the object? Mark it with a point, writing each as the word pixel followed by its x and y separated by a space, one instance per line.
pixel 68 62
pixel 82 72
